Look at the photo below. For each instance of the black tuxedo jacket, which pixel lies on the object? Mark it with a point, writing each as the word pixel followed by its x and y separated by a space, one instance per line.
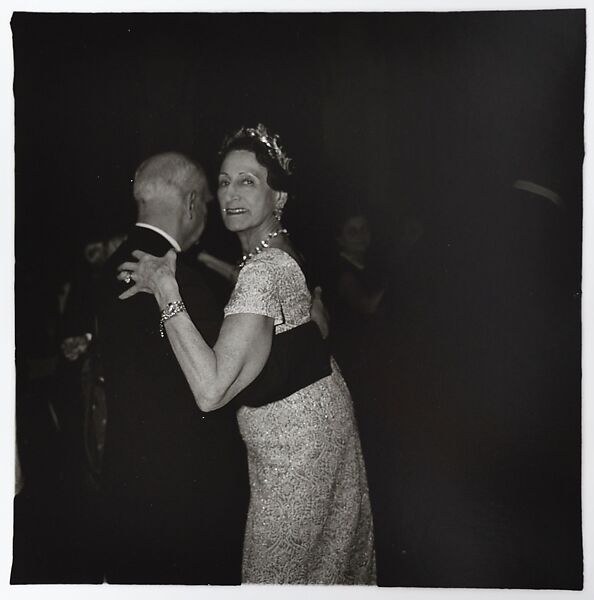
pixel 175 478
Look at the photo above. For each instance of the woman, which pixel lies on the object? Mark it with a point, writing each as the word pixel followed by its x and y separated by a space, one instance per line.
pixel 309 519
pixel 359 287
pixel 354 292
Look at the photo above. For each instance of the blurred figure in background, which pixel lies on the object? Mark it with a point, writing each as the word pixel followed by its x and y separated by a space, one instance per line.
pixel 81 406
pixel 60 421
pixel 354 293
pixel 370 329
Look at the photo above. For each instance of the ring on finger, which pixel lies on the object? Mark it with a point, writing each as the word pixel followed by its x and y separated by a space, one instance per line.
pixel 128 276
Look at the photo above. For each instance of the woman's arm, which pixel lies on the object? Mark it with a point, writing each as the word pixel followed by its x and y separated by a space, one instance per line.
pixel 215 375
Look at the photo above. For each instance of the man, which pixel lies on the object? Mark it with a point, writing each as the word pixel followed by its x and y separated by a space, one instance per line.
pixel 176 488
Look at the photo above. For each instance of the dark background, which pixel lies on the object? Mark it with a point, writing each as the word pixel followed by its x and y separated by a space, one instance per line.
pixel 425 121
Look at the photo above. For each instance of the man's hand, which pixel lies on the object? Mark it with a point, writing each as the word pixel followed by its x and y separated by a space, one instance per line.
pixel 318 313
pixel 73 347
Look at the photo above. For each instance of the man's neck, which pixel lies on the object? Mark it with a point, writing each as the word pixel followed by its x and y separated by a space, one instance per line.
pixel 161 232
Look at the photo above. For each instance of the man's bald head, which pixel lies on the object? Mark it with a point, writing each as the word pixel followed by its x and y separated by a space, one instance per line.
pixel 171 192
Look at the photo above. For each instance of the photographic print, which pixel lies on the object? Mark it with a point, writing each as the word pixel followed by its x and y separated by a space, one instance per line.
pixel 298 298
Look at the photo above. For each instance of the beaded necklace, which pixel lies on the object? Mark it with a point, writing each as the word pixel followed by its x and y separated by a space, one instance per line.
pixel 265 243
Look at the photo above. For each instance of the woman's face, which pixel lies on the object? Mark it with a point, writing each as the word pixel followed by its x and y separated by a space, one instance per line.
pixel 245 198
pixel 355 235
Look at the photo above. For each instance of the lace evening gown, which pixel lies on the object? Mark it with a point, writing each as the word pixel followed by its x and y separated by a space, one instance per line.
pixel 309 518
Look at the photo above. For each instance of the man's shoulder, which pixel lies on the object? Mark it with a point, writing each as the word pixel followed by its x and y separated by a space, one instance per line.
pixel 137 239
pixel 196 285
pixel 108 280
pixel 120 255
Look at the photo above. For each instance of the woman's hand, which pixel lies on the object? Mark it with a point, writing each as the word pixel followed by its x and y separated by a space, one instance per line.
pixel 151 274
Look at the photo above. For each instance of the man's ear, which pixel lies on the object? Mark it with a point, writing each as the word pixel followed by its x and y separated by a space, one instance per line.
pixel 192 203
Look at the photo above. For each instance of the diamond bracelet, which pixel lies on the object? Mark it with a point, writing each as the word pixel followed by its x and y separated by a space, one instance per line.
pixel 172 309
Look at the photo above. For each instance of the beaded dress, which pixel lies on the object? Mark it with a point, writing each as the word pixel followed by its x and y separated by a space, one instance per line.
pixel 309 519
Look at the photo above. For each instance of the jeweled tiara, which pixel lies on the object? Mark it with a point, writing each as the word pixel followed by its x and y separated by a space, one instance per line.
pixel 269 140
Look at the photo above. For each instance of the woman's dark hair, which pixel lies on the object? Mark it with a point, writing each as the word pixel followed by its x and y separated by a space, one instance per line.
pixel 278 179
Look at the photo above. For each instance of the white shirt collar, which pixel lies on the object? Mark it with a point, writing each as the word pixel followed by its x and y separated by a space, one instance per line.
pixel 171 240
